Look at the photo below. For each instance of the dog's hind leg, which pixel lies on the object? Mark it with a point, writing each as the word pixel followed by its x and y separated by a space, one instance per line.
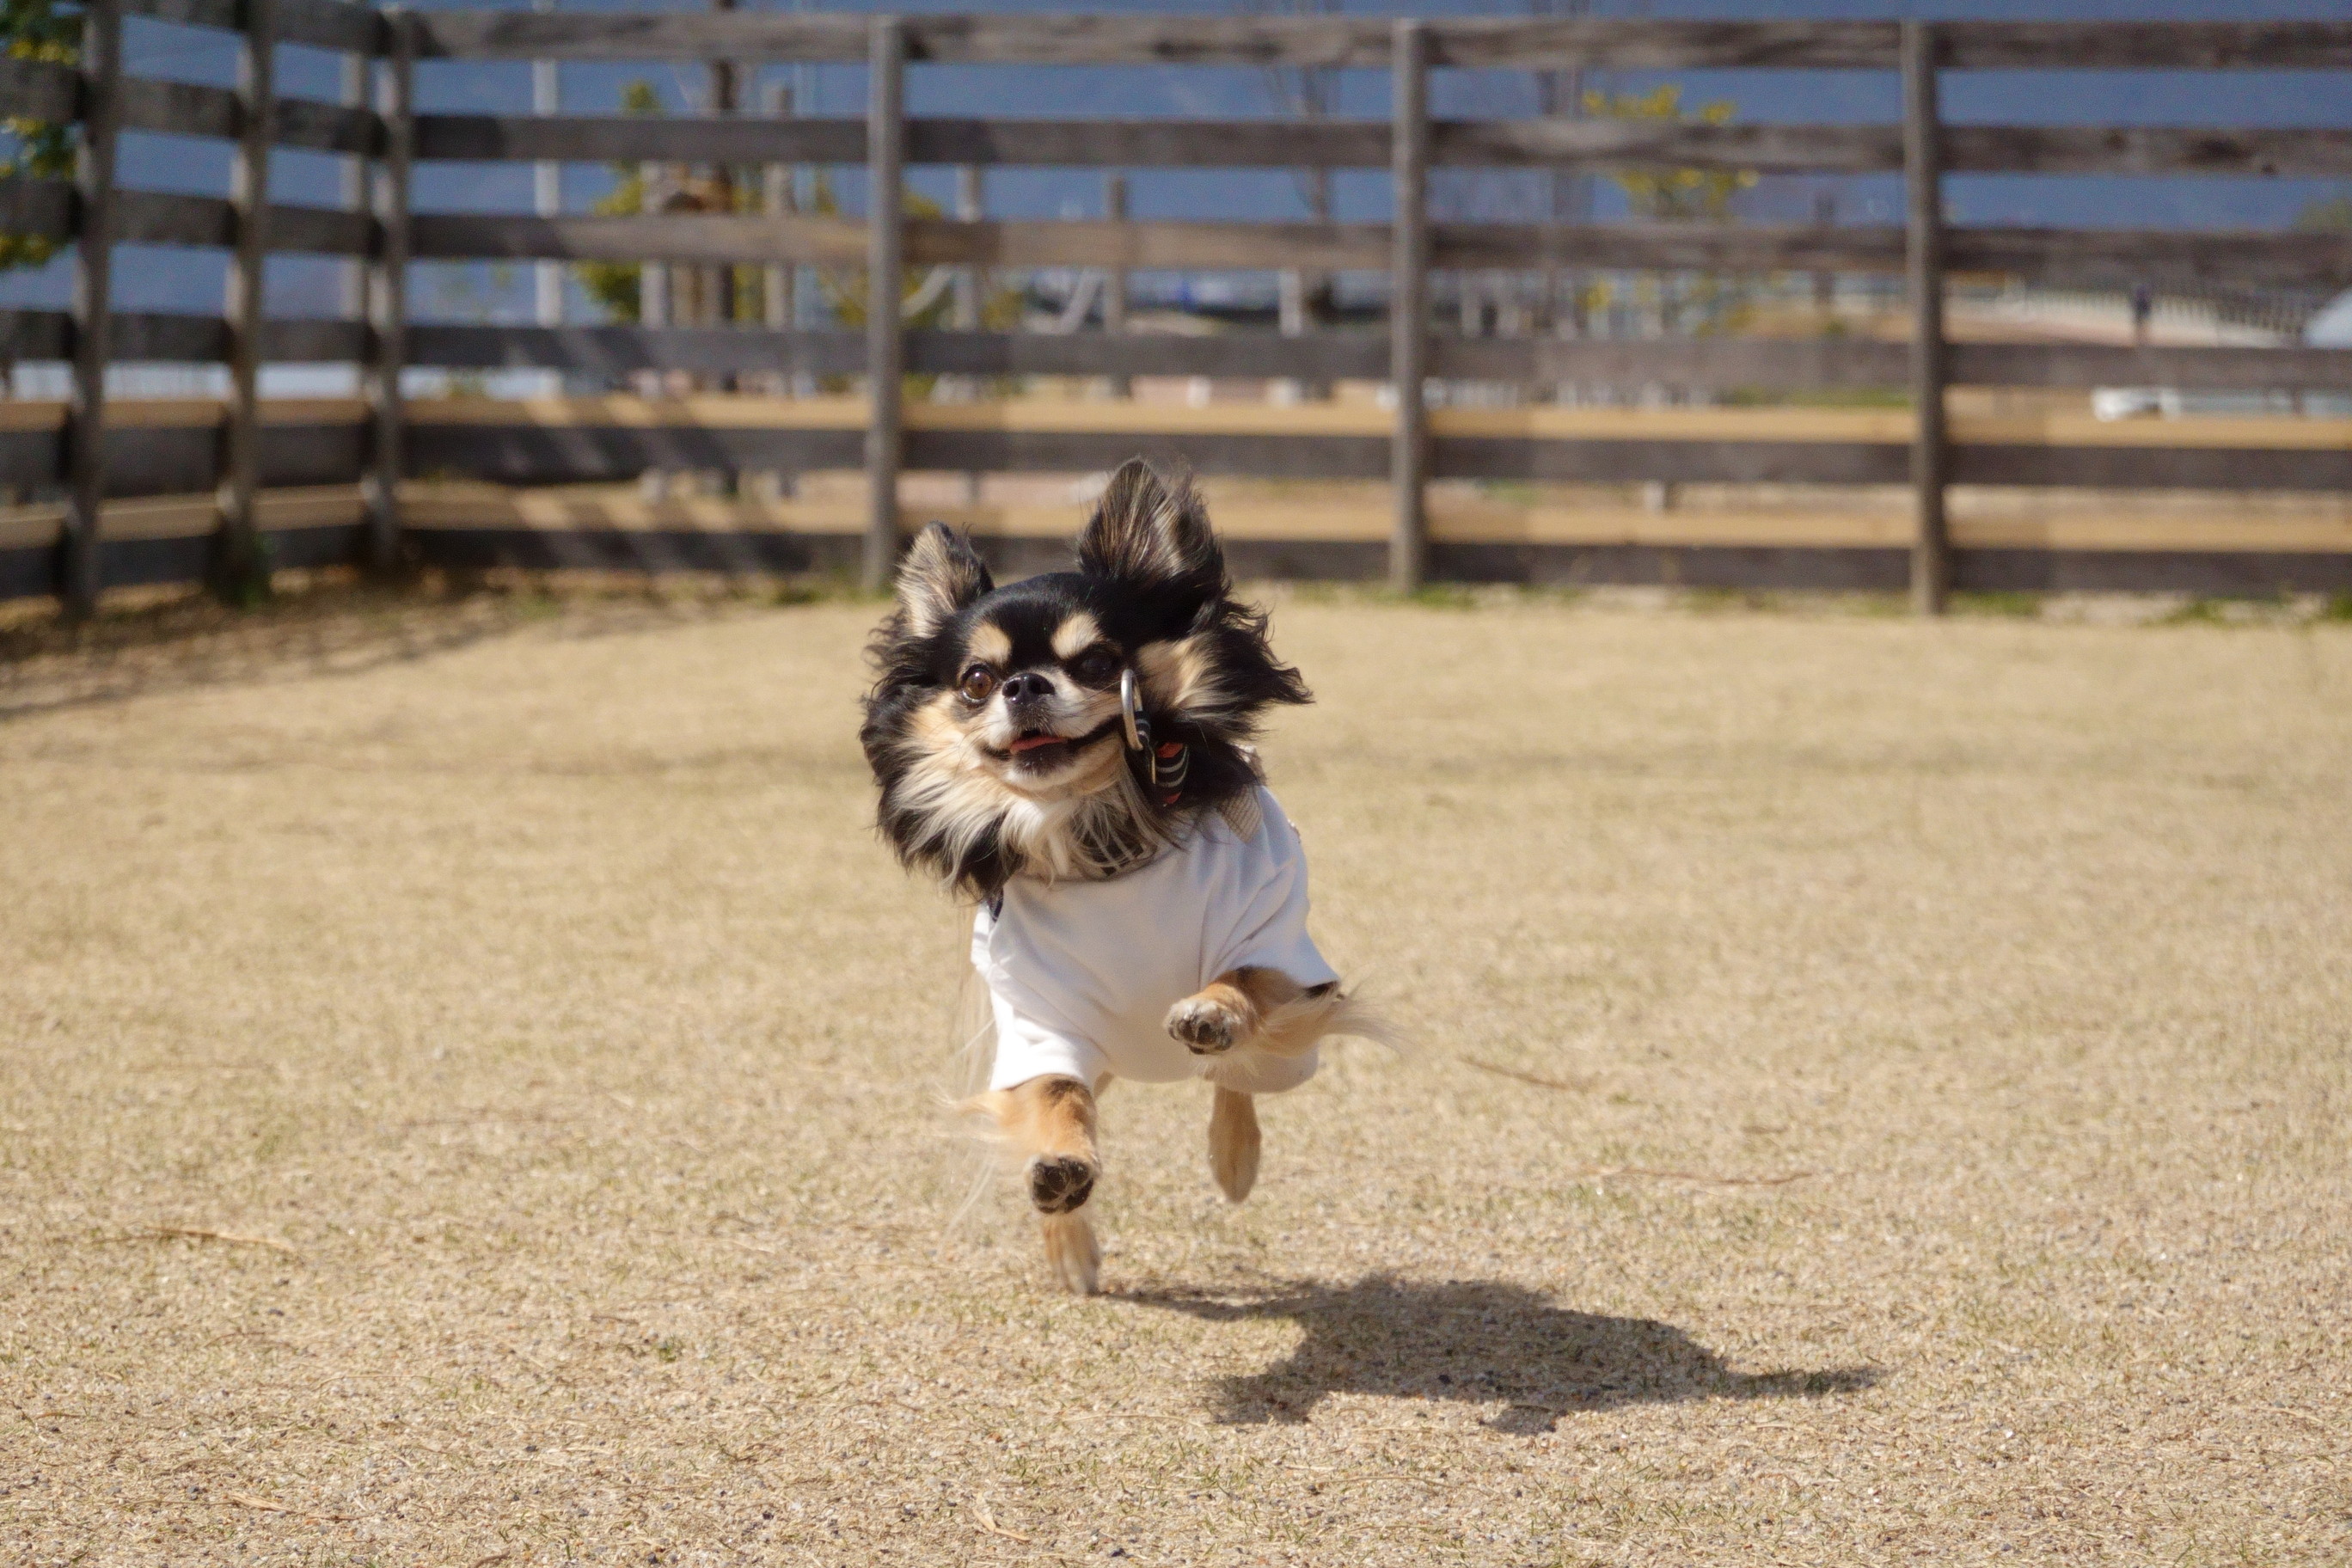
pixel 1230 1010
pixel 1233 1141
pixel 1050 1122
pixel 1071 1251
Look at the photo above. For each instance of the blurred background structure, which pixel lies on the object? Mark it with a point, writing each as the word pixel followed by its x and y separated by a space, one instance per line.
pixel 1875 304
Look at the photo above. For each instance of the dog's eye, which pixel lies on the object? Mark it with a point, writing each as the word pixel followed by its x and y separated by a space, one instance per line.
pixel 977 682
pixel 1095 667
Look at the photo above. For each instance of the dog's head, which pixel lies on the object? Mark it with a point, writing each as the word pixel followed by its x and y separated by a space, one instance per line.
pixel 994 728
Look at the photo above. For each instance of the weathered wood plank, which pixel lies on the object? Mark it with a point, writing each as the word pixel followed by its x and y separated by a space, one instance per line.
pixel 629 138
pixel 192 108
pixel 323 24
pixel 2101 365
pixel 641 35
pixel 150 459
pixel 185 460
pixel 41 334
pixel 1493 43
pixel 1835 568
pixel 2317 259
pixel 241 570
pixel 2323 260
pixel 1680 462
pixel 647 549
pixel 2161 45
pixel 1408 309
pixel 1711 364
pixel 528 454
pixel 886 327
pixel 2147 150
pixel 155 336
pixel 1504 44
pixel 1633 144
pixel 1138 246
pixel 37 207
pixel 2208 574
pixel 1340 144
pixel 1094 39
pixel 621 350
pixel 84 439
pixel 1697 247
pixel 1706 363
pixel 1922 188
pixel 165 217
pixel 675 236
pixel 385 288
pixel 38 89
pixel 2153 468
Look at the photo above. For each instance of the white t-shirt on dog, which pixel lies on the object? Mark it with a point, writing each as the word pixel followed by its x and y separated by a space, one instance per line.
pixel 1081 974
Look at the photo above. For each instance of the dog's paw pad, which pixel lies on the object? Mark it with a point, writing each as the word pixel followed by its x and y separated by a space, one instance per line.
pixel 1060 1185
pixel 1205 1026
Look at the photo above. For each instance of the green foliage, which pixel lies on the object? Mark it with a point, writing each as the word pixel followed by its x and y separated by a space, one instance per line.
pixel 618 285
pixel 36 30
pixel 614 284
pixel 1671 193
pixel 1998 602
pixel 2332 216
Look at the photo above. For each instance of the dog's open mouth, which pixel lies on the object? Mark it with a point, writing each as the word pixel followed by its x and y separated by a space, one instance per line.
pixel 1041 750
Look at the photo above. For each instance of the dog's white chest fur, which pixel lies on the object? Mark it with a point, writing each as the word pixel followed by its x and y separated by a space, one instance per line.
pixel 1082 973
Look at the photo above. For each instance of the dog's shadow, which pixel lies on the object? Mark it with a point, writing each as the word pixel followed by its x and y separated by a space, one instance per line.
pixel 1481 1342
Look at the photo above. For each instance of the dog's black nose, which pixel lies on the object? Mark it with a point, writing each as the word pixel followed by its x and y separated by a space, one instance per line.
pixel 1029 686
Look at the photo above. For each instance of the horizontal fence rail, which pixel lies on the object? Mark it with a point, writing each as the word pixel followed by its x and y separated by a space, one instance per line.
pixel 1712 364
pixel 160 457
pixel 1335 41
pixel 170 448
pixel 1600 146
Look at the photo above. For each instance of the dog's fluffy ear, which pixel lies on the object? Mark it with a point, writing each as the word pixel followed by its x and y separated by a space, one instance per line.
pixel 1145 530
pixel 941 575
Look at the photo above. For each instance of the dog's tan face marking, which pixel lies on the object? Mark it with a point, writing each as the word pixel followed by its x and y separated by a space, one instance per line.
pixel 988 645
pixel 1075 635
pixel 1037 721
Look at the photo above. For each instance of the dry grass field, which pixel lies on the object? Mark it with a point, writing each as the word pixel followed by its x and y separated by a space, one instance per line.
pixel 471 1095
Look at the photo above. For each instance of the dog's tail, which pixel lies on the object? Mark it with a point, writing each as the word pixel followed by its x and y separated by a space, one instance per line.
pixel 978 1157
pixel 1313 1016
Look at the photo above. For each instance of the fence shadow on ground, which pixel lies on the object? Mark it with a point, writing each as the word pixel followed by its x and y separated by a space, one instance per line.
pixel 1481 1342
pixel 338 627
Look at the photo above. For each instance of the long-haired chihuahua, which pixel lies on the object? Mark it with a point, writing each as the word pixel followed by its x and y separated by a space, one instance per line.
pixel 1073 752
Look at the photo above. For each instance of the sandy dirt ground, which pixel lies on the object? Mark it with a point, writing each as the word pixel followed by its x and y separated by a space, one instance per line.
pixel 471 1094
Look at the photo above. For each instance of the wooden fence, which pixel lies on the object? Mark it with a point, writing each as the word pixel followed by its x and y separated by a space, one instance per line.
pixel 244 448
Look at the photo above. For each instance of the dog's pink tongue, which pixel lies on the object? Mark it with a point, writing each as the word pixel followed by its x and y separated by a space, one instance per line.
pixel 1031 742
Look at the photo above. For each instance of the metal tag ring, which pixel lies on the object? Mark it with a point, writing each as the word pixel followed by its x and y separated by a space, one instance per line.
pixel 1126 709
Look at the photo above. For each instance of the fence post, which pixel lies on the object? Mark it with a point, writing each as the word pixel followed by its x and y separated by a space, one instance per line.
pixel 93 304
pixel 1114 307
pixel 356 73
pixel 885 263
pixel 388 291
pixel 1408 309
pixel 1923 167
pixel 239 570
pixel 776 201
pixel 547 196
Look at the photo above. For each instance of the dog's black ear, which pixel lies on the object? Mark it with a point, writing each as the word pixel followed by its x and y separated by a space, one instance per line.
pixel 1145 530
pixel 941 575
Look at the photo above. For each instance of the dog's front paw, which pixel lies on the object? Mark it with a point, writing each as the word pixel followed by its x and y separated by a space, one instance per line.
pixel 1059 1183
pixel 1206 1026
